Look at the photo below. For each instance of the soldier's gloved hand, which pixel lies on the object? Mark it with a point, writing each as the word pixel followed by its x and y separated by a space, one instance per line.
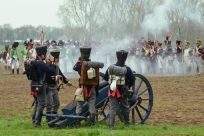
pixel 58 77
pixel 69 83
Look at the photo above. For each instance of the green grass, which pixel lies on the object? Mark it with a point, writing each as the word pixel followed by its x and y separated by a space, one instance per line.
pixel 20 125
pixel 19 49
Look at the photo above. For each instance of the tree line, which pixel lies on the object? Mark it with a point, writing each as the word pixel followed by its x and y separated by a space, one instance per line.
pixel 97 20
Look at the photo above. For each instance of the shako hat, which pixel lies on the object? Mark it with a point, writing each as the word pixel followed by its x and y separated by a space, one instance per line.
pixel 41 50
pixel 186 42
pixel 55 52
pixel 15 44
pixel 85 51
pixel 122 55
pixel 25 43
pixel 6 47
pixel 53 43
pixel 60 43
pixel 198 41
pixel 178 42
pixel 167 40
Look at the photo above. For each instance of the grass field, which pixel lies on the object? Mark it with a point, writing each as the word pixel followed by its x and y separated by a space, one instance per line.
pixel 177 109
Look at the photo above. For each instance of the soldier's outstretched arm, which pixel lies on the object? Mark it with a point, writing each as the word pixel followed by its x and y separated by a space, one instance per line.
pixel 106 75
pixel 130 76
pixel 44 67
pixel 64 79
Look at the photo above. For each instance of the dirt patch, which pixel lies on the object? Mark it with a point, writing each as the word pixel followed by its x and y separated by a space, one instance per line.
pixel 177 100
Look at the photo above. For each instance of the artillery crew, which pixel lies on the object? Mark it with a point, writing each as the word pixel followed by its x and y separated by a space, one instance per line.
pixel 39 76
pixel 90 91
pixel 53 86
pixel 116 92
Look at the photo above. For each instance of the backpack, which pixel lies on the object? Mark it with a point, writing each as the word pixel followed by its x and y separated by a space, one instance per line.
pixel 31 70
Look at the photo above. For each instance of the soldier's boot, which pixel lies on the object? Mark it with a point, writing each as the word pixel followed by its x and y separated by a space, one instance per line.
pixel 48 119
pixel 111 121
pixel 33 117
pixel 9 68
pixel 92 119
pixel 5 67
pixel 54 117
pixel 13 71
pixel 38 118
pixel 126 118
pixel 77 121
pixel 17 71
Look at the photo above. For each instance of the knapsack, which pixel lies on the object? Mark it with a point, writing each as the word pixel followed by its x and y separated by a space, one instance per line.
pixel 31 70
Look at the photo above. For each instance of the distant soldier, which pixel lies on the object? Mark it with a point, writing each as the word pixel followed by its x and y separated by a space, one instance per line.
pixel 188 57
pixel 32 52
pixel 25 55
pixel 14 58
pixel 178 57
pixel 168 53
pixel 159 52
pixel 6 58
pixel 198 58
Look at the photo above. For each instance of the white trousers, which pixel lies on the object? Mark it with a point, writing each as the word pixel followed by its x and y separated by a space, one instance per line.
pixel 14 64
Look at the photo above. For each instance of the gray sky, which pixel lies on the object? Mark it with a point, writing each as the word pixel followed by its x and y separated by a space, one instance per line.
pixel 30 12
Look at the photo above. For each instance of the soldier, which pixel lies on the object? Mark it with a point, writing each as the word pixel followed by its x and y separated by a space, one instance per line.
pixel 32 51
pixel 178 55
pixel 42 69
pixel 6 58
pixel 116 94
pixel 148 56
pixel 25 55
pixel 198 58
pixel 14 58
pixel 159 52
pixel 168 53
pixel 62 61
pixel 187 57
pixel 52 96
pixel 85 54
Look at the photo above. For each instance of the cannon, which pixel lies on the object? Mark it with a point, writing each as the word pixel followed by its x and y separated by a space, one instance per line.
pixel 140 105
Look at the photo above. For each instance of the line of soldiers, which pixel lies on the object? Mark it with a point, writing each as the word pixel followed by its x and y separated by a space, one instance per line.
pixel 145 57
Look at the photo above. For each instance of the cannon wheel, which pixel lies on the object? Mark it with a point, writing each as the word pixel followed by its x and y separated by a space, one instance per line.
pixel 142 101
pixel 103 111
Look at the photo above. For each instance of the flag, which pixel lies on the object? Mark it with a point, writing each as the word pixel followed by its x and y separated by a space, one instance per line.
pixel 179 31
pixel 41 37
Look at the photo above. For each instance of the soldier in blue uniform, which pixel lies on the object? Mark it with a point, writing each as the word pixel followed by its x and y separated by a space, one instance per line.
pixel 42 68
pixel 89 89
pixel 117 95
pixel 52 96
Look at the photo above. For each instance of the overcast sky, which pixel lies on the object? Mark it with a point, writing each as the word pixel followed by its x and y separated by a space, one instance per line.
pixel 30 12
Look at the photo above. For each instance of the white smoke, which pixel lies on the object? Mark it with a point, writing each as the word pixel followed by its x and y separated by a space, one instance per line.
pixel 157 21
